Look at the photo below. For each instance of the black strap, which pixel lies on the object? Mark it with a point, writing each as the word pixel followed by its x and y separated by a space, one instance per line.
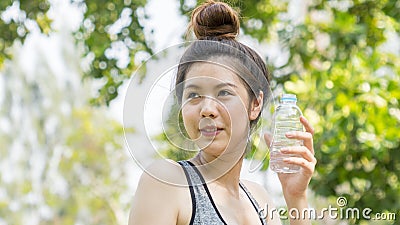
pixel 254 203
pixel 207 190
pixel 191 192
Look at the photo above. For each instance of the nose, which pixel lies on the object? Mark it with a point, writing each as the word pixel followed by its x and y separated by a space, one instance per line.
pixel 209 108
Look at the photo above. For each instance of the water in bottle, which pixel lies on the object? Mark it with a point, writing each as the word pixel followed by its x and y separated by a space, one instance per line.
pixel 286 118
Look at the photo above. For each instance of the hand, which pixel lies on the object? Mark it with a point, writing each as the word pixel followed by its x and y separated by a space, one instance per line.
pixel 295 185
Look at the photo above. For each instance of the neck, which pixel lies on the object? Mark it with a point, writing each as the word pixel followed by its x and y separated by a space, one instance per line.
pixel 230 180
pixel 223 170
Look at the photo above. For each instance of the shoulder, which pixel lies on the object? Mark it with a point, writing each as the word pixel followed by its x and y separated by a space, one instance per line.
pixel 162 176
pixel 163 172
pixel 159 190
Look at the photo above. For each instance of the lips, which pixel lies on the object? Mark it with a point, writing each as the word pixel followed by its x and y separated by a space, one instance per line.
pixel 210 131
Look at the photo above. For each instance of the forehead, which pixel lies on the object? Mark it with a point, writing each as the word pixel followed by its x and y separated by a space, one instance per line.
pixel 211 72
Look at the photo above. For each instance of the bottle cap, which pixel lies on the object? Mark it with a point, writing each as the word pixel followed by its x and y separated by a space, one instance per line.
pixel 288 97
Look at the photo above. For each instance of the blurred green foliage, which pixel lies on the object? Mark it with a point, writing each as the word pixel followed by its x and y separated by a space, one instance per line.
pixel 95 35
pixel 15 29
pixel 63 161
pixel 99 16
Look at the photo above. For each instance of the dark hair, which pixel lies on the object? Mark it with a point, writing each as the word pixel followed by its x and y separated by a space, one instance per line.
pixel 216 26
pixel 214 19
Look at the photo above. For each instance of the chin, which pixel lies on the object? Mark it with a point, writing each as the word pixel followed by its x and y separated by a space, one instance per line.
pixel 213 148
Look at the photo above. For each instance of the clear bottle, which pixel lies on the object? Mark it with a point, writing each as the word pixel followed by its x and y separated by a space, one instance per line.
pixel 286 118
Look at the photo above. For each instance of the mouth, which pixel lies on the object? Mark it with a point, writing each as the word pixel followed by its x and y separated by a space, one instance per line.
pixel 210 131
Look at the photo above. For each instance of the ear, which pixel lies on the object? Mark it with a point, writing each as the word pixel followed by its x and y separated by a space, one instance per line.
pixel 256 106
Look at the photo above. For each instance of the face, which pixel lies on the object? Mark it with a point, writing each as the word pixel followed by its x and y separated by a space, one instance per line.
pixel 216 109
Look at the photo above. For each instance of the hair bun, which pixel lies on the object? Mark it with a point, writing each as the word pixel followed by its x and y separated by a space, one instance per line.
pixel 215 19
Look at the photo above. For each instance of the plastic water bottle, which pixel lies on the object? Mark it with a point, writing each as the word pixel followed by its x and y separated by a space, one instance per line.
pixel 286 118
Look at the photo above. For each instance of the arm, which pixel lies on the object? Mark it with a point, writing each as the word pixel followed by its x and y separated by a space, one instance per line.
pixel 295 186
pixel 300 205
pixel 154 202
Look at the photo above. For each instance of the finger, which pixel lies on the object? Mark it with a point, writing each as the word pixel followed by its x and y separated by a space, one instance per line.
pixel 307 125
pixel 268 138
pixel 308 167
pixel 300 151
pixel 306 137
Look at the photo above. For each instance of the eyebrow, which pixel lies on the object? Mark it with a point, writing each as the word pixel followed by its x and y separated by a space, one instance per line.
pixel 217 86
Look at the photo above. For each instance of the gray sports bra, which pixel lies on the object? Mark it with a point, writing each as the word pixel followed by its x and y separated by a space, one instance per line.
pixel 204 210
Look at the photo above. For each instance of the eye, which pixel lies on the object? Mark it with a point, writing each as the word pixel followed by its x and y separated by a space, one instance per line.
pixel 193 95
pixel 224 93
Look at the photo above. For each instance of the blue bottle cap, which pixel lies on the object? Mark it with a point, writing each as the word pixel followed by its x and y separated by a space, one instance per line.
pixel 288 97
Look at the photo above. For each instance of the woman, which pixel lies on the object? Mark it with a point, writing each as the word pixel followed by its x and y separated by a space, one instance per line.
pixel 221 86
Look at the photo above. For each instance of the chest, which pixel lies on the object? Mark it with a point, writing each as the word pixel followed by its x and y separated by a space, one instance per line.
pixel 218 205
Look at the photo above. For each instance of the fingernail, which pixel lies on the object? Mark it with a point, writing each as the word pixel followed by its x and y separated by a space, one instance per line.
pixel 290 134
pixel 286 160
pixel 284 150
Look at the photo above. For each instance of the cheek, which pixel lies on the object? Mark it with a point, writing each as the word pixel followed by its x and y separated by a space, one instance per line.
pixel 189 119
pixel 238 115
pixel 236 110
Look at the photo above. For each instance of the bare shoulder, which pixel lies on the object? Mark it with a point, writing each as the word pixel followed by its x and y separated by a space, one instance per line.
pixel 158 192
pixel 165 171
